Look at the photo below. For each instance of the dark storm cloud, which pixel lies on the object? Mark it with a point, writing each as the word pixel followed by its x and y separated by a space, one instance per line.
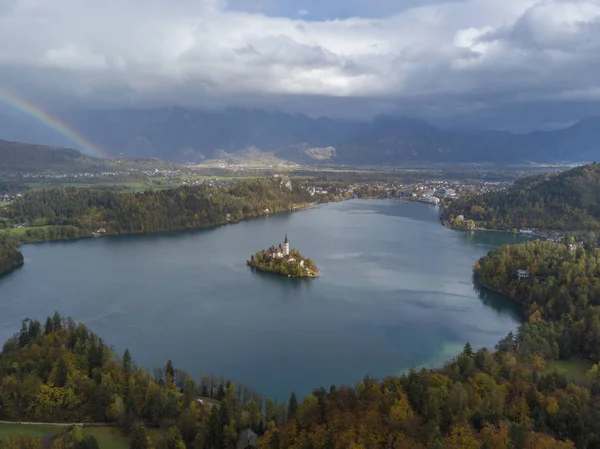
pixel 445 58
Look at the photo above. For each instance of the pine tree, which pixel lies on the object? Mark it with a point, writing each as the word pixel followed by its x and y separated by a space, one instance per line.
pixel 56 321
pixel 127 363
pixel 292 406
pixel 220 392
pixel 170 375
pixel 48 327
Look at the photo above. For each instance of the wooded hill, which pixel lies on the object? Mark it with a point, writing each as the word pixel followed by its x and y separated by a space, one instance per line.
pixel 60 371
pixel 25 156
pixel 553 201
pixel 67 213
pixel 20 157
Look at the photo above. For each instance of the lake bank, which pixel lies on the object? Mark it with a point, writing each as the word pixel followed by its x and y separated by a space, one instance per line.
pixel 395 290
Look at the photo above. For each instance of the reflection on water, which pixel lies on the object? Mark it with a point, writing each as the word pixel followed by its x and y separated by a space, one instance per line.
pixel 493 239
pixel 499 303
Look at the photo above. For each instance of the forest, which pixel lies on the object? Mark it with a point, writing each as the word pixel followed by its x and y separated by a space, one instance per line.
pixel 60 371
pixel 69 213
pixel 10 257
pixel 552 201
pixel 561 295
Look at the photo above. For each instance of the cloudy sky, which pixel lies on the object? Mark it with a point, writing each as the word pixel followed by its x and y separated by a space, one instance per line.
pixel 500 63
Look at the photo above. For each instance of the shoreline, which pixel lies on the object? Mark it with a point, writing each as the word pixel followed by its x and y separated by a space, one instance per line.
pixel 503 231
pixel 294 208
pixel 257 268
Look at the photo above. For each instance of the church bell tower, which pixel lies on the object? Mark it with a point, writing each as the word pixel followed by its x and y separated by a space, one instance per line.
pixel 286 246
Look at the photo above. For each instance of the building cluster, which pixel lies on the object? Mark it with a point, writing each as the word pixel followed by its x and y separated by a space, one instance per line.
pixel 432 192
pixel 9 197
pixel 250 165
pixel 438 191
pixel 151 173
pixel 207 182
pixel 315 190
pixel 99 232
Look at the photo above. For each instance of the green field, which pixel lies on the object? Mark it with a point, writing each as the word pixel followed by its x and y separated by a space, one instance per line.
pixel 21 231
pixel 17 430
pixel 109 437
pixel 574 368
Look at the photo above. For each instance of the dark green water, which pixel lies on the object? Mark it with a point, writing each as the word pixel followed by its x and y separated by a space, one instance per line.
pixel 395 291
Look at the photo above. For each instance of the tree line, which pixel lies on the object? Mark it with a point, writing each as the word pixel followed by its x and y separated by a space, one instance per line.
pixel 60 371
pixel 551 201
pixel 67 213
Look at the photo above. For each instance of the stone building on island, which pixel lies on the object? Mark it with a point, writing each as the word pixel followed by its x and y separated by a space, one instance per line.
pixel 282 251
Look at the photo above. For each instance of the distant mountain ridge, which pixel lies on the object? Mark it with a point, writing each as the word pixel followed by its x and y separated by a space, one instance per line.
pixel 190 135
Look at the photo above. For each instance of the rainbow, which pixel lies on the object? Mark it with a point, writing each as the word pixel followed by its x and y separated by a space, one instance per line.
pixel 52 122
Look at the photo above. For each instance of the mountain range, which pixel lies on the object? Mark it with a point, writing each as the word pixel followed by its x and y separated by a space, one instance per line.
pixel 189 135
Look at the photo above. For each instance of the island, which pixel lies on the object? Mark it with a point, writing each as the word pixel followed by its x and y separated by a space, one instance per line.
pixel 281 260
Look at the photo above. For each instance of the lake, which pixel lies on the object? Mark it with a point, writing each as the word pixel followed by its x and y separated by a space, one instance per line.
pixel 395 292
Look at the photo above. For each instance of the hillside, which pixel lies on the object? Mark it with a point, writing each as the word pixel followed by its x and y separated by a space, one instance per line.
pixel 21 157
pixel 58 370
pixel 551 201
pixel 27 157
pixel 70 213
pixel 189 135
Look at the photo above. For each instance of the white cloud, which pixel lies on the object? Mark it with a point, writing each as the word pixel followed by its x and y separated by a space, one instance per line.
pixel 477 49
pixel 303 12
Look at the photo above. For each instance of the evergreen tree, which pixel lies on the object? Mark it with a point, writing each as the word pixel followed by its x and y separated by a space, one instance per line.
pixel 170 375
pixel 292 406
pixel 468 350
pixel 49 326
pixel 23 334
pixel 127 367
pixel 220 392
pixel 56 321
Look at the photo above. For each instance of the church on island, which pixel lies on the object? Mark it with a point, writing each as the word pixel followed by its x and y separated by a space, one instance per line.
pixel 282 251
pixel 281 260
